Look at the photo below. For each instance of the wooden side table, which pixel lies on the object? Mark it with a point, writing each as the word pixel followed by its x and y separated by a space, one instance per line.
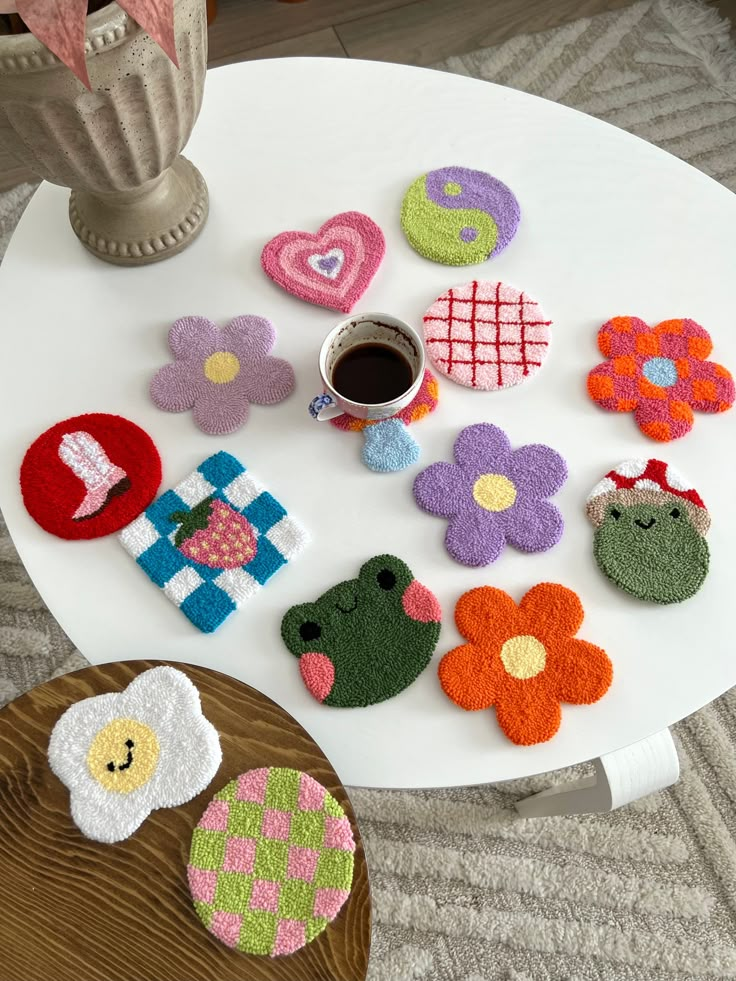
pixel 75 909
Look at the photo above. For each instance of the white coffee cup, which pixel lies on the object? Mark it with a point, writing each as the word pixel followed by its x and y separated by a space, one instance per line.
pixel 367 328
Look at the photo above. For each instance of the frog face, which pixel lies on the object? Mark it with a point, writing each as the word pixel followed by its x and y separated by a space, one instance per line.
pixel 652 549
pixel 366 639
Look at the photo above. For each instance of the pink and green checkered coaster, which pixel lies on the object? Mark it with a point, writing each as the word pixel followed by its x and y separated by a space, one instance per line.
pixel 271 862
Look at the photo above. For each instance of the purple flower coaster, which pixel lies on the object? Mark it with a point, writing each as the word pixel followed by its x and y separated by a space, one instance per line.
pixel 493 495
pixel 218 373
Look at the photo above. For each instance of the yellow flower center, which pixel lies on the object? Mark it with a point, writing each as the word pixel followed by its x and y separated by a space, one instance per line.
pixel 523 657
pixel 221 367
pixel 123 755
pixel 494 492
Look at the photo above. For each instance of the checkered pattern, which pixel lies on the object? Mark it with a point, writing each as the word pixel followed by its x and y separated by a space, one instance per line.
pixel 486 335
pixel 271 861
pixel 631 380
pixel 206 595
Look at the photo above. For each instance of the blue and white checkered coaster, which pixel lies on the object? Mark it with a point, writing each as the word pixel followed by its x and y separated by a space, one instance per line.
pixel 205 593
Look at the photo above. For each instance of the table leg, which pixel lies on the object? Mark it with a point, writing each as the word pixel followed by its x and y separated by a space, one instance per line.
pixel 619 778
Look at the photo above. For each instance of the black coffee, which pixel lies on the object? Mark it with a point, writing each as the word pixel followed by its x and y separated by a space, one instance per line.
pixel 372 373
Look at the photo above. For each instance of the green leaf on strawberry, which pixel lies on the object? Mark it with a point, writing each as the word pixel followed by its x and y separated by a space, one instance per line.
pixel 190 521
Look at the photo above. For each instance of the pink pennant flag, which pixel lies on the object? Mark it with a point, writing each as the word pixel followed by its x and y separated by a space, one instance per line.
pixel 156 17
pixel 60 25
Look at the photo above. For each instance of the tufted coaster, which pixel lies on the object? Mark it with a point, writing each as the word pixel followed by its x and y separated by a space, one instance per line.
pixel 459 216
pixel 125 754
pixel 214 540
pixel 218 373
pixel 271 861
pixel 524 659
pixel 89 476
pixel 486 335
pixel 493 495
pixel 333 268
pixel 367 639
pixel 388 446
pixel 650 527
pixel 660 374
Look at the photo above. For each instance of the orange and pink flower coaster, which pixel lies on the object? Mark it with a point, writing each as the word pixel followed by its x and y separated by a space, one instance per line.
pixel 271 861
pixel 660 374
pixel 388 446
pixel 523 660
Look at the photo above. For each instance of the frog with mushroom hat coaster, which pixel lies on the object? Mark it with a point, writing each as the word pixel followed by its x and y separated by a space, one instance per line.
pixel 650 528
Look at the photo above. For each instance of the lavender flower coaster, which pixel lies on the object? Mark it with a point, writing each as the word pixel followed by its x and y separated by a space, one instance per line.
pixel 493 495
pixel 218 373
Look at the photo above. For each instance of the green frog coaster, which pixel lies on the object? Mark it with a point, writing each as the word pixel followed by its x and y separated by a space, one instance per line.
pixel 367 639
pixel 650 528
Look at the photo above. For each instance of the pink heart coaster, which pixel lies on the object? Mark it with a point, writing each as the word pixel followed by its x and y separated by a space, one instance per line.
pixel 333 268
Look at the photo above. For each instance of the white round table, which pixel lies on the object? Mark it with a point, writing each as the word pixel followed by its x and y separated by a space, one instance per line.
pixel 610 226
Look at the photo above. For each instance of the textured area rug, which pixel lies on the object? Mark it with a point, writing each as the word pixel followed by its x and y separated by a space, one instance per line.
pixel 463 890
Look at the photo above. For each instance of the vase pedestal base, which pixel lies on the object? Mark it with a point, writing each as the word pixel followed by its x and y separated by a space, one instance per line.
pixel 147 224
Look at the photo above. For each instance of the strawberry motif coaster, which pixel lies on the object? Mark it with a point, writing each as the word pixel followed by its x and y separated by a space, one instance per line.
pixel 333 268
pixel 214 540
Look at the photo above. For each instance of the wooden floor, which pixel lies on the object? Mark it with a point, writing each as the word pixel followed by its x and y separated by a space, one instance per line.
pixel 414 32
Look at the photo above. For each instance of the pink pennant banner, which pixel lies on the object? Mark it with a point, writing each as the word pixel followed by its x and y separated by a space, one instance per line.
pixel 60 25
pixel 156 17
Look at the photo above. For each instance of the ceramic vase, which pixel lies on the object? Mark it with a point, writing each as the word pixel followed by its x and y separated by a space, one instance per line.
pixel 134 198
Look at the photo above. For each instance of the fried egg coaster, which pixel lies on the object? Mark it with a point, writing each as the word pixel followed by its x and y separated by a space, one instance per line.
pixel 650 528
pixel 271 861
pixel 125 754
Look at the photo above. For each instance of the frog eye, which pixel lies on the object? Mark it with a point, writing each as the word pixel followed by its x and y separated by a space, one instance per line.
pixel 615 513
pixel 310 630
pixel 675 512
pixel 386 579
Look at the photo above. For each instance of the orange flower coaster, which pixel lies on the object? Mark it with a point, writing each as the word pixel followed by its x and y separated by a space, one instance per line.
pixel 524 659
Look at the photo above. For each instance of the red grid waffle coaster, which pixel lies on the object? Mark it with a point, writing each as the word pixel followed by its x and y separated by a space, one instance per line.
pixel 486 335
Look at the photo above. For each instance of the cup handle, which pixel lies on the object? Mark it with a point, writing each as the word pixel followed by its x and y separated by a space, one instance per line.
pixel 323 407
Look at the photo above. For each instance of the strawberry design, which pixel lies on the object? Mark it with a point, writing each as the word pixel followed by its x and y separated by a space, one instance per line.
pixel 215 535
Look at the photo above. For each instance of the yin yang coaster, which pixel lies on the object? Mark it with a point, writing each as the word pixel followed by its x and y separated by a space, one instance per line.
pixel 459 216
pixel 650 528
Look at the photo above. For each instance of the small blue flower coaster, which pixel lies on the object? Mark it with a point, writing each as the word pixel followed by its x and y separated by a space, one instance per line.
pixel 214 540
